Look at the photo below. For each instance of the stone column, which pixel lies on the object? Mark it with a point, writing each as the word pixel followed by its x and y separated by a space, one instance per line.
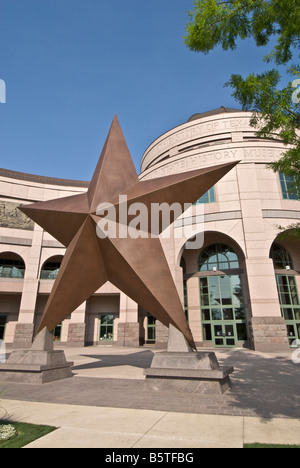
pixel 76 327
pixel 267 324
pixel 128 328
pixel 25 327
pixel 194 308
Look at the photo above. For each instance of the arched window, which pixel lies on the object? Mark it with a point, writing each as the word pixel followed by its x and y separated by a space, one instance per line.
pixel 287 291
pixel 223 312
pixel 51 268
pixel 11 266
pixel 281 258
pixel 219 257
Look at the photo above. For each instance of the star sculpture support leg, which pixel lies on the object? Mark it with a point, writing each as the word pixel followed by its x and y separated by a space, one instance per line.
pixel 137 266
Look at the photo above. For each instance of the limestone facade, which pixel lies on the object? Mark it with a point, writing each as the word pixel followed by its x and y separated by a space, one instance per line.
pixel 248 301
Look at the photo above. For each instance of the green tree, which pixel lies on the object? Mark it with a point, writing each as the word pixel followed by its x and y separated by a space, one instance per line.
pixel 276 111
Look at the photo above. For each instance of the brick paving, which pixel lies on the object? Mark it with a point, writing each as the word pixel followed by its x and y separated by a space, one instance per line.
pixel 267 386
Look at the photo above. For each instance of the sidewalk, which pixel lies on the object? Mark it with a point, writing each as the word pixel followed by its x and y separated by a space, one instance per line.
pixel 109 404
pixel 94 427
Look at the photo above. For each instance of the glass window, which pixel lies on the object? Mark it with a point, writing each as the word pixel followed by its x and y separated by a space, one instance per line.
pixel 106 327
pixel 222 309
pixel 289 187
pixel 289 303
pixel 12 269
pixel 3 319
pixel 50 270
pixel 218 256
pixel 151 328
pixel 208 197
pixel 281 258
pixel 57 333
pixel 241 331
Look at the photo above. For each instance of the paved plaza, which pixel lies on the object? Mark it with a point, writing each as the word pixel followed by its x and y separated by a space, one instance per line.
pixel 108 403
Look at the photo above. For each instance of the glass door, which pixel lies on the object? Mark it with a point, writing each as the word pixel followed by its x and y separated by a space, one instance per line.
pixel 222 310
pixel 290 305
pixel 151 329
pixel 224 334
pixel 106 327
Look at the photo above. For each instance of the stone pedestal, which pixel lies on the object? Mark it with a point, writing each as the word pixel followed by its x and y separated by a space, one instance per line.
pixel 38 365
pixel 185 371
pixel 162 336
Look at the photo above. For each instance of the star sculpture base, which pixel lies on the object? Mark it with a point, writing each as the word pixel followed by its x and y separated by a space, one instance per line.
pixel 38 365
pixel 181 370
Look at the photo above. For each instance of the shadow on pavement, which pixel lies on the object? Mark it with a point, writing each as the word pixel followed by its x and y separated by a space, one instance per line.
pixel 270 386
pixel 140 359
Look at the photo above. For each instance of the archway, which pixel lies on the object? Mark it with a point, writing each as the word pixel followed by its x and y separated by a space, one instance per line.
pixel 11 266
pixel 50 268
pixel 223 312
pixel 216 274
pixel 285 255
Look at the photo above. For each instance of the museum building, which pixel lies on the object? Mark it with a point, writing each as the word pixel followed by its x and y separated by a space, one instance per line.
pixel 240 286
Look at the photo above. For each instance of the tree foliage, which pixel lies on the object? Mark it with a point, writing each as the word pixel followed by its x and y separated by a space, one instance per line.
pixel 276 110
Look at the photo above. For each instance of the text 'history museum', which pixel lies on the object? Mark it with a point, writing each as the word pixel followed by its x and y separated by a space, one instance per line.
pixel 240 288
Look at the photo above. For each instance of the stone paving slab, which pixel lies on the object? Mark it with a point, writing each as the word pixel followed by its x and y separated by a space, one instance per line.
pixel 92 409
pixel 263 385
pixel 100 427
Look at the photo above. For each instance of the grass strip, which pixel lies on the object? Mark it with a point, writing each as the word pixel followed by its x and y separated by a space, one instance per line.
pixel 27 433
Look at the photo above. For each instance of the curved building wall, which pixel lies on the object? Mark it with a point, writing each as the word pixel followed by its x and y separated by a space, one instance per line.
pixel 243 214
pixel 235 302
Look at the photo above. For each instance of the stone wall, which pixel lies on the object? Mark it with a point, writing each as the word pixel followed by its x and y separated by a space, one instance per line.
pixel 269 334
pixel 128 334
pixel 76 334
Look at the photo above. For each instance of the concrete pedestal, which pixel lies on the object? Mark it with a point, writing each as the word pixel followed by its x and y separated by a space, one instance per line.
pixel 186 371
pixel 38 365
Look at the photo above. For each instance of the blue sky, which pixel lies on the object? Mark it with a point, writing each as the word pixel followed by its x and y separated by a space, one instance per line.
pixel 70 65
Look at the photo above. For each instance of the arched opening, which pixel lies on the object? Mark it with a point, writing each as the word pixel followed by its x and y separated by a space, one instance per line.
pixel 286 280
pixel 223 312
pixel 11 266
pixel 51 268
pixel 216 291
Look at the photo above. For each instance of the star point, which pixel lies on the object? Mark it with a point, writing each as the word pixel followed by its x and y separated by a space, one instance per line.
pixel 136 266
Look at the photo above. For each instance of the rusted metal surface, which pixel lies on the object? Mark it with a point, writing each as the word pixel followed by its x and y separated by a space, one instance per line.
pixel 137 266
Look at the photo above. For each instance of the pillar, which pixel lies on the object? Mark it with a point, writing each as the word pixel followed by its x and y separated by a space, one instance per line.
pixel 266 326
pixel 25 327
pixel 75 328
pixel 128 329
pixel 194 308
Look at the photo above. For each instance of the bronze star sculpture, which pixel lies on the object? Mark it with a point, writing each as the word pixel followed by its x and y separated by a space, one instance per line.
pixel 136 266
